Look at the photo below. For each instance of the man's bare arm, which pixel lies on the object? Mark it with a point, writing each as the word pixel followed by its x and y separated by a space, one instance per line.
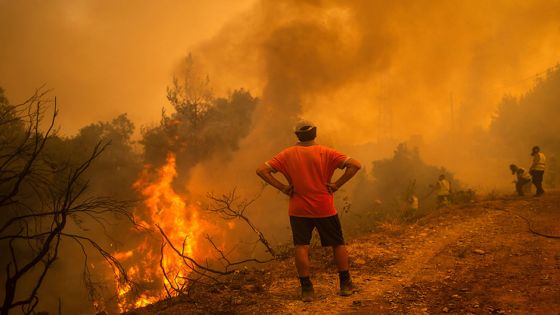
pixel 265 172
pixel 352 166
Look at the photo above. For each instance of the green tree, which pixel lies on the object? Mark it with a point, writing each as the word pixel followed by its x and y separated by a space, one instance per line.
pixel 201 125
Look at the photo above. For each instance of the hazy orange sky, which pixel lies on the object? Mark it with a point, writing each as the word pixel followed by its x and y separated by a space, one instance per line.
pixel 103 58
pixel 337 62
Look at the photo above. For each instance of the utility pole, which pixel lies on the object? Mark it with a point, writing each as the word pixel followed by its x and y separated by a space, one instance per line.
pixel 452 112
pixel 385 115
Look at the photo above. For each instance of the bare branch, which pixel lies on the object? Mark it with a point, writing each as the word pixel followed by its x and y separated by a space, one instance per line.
pixel 229 207
pixel 229 263
pixel 37 207
pixel 190 259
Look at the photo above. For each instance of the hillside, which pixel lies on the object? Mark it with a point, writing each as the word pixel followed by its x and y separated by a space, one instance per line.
pixel 480 258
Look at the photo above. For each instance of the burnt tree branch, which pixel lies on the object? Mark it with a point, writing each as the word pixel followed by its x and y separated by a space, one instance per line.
pixel 229 206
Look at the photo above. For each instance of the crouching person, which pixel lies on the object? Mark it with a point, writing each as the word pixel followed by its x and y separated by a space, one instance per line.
pixel 522 179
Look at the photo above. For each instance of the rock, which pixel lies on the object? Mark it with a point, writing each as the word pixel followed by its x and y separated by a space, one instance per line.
pixel 360 261
pixel 445 310
pixel 455 296
pixel 479 251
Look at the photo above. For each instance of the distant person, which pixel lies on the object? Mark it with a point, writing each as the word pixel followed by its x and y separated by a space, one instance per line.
pixel 413 204
pixel 523 179
pixel 537 169
pixel 412 199
pixel 411 207
pixel 443 189
pixel 308 168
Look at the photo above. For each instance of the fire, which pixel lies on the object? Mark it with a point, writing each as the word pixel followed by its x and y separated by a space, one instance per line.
pixel 183 226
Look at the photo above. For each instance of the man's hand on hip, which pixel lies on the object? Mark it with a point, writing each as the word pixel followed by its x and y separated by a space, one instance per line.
pixel 332 187
pixel 288 190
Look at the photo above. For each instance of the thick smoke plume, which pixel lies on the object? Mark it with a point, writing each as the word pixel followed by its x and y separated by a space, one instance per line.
pixel 367 71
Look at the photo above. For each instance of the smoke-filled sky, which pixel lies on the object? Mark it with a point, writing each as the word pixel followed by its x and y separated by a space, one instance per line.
pixel 103 58
pixel 360 68
pixel 346 63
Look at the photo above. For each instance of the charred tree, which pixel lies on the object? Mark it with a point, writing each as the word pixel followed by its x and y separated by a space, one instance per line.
pixel 39 199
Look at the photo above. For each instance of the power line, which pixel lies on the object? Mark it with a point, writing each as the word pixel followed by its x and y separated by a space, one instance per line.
pixel 531 77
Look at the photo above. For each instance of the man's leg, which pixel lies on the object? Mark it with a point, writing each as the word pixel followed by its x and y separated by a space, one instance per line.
pixel 301 232
pixel 347 287
pixel 302 260
pixel 341 257
pixel 534 179
pixel 540 190
pixel 302 266
pixel 537 181
pixel 519 187
pixel 330 231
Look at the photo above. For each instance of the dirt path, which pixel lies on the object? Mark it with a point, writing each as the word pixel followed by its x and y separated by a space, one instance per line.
pixel 475 259
pixel 381 267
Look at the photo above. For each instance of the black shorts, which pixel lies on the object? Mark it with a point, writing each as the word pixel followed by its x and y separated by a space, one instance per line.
pixel 329 230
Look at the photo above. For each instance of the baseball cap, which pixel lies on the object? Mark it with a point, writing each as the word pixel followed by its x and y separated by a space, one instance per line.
pixel 303 125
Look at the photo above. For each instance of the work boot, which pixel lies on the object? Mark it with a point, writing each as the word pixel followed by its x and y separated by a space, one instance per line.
pixel 348 288
pixel 307 294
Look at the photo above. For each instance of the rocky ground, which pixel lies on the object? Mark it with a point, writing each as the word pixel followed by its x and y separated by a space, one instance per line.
pixel 480 258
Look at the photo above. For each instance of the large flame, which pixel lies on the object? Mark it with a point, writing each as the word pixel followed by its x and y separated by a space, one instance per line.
pixel 181 223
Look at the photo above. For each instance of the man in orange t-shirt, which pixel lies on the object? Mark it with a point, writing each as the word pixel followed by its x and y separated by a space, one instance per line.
pixel 308 168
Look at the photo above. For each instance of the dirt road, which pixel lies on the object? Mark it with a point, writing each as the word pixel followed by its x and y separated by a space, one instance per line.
pixel 473 259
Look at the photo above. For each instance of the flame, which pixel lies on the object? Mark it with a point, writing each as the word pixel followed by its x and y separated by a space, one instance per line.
pixel 181 223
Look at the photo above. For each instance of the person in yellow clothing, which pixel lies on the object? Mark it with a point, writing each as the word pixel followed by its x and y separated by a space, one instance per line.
pixel 443 189
pixel 537 169
pixel 413 204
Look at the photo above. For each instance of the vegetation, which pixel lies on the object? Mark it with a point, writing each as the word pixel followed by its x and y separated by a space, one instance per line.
pixel 202 125
pixel 43 201
pixel 51 189
pixel 54 188
pixel 386 196
pixel 520 123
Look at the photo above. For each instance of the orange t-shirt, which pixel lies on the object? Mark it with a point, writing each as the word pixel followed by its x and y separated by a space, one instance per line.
pixel 308 169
